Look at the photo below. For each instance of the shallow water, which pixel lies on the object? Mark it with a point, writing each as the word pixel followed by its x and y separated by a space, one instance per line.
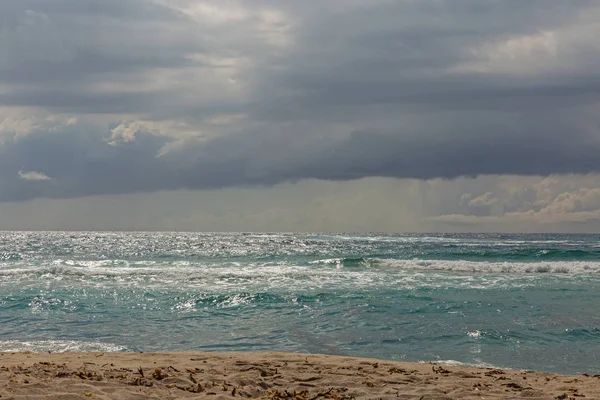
pixel 514 301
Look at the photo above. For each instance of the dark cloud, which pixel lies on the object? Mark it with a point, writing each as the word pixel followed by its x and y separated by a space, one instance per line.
pixel 339 91
pixel 81 164
pixel 66 45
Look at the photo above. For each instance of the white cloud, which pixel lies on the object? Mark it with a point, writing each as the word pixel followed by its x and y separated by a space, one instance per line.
pixel 33 176
pixel 516 54
pixel 179 130
pixel 268 24
pixel 514 201
pixel 485 200
pixel 18 122
pixel 211 12
pixel 125 132
pixel 565 47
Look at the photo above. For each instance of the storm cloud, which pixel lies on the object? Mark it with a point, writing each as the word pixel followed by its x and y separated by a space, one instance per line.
pixel 105 97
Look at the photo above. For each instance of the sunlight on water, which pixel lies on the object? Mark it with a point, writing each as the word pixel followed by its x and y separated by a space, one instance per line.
pixel 517 301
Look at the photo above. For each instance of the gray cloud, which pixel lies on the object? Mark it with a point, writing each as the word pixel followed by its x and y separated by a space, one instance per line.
pixel 363 205
pixel 260 92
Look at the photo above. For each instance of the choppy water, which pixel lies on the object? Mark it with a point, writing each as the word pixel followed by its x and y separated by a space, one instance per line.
pixel 515 301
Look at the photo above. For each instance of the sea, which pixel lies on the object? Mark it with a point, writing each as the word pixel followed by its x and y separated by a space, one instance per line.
pixel 492 300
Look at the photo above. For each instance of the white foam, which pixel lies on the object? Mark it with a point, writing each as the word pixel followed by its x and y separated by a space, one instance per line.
pixel 500 267
pixel 454 363
pixel 58 346
pixel 267 277
pixel 497 267
pixel 326 261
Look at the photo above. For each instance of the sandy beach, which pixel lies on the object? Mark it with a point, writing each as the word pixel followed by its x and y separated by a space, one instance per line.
pixel 268 376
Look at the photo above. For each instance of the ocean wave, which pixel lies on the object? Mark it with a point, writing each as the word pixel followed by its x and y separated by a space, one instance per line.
pixel 59 346
pixel 473 364
pixel 225 301
pixel 501 267
pixel 320 275
pixel 579 334
pixel 329 269
pixel 346 262
pixel 499 252
pixel 553 267
pixel 10 256
pixel 386 238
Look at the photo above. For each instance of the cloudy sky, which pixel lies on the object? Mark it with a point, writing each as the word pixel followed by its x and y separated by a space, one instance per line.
pixel 329 115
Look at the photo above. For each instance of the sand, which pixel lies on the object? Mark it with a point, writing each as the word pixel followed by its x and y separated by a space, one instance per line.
pixel 269 376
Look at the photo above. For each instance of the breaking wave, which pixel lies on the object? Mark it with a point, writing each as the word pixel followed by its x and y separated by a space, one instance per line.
pixel 58 346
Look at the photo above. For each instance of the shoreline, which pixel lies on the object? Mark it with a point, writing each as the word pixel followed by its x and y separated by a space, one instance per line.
pixel 269 375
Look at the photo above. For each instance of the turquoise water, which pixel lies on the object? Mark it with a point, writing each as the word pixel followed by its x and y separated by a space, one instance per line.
pixel 513 301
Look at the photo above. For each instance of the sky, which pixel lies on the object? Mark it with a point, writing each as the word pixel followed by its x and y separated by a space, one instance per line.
pixel 329 115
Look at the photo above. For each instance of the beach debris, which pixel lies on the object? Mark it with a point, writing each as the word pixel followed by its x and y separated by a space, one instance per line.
pixel 139 381
pixel 336 394
pixel 309 379
pixel 395 370
pixel 263 385
pixel 513 385
pixel 158 374
pixel 86 375
pixel 493 372
pixel 465 375
pixel 264 372
pixel 155 381
pixel 440 370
